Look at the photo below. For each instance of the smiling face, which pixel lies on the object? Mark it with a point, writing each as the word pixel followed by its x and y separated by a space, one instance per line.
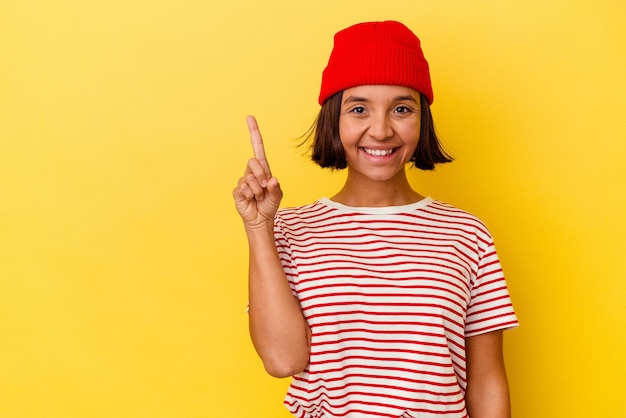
pixel 379 127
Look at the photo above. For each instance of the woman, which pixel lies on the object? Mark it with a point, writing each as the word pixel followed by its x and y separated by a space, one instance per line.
pixel 380 302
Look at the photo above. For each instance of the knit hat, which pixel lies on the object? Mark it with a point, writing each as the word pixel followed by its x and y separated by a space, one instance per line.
pixel 376 53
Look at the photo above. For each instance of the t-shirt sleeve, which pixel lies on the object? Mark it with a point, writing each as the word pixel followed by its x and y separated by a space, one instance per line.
pixel 490 307
pixel 284 253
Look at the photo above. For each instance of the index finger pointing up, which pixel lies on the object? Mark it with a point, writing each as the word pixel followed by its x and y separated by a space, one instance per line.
pixel 257 143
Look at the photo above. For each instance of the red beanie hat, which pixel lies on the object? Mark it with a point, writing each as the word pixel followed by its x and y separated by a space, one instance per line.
pixel 376 53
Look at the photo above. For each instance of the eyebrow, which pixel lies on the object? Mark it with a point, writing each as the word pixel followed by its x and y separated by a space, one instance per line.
pixel 357 99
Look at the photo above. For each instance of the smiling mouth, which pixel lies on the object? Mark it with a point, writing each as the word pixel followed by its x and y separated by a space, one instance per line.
pixel 379 152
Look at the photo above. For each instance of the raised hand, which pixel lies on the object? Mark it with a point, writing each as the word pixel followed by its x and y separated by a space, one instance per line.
pixel 258 194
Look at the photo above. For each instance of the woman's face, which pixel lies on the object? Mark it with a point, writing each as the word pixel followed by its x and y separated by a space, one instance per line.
pixel 379 127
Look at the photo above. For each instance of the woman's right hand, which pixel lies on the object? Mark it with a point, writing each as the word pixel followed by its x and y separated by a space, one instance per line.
pixel 258 194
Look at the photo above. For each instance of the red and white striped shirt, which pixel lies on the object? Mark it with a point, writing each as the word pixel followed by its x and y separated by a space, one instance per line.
pixel 390 294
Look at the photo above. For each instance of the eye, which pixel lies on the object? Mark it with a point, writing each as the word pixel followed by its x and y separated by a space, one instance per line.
pixel 358 109
pixel 403 109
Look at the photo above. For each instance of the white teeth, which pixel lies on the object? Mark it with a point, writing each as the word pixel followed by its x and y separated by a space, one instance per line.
pixel 378 152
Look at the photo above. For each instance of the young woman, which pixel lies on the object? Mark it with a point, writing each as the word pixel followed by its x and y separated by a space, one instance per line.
pixel 380 302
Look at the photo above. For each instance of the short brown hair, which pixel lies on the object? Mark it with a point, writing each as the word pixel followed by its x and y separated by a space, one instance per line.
pixel 327 150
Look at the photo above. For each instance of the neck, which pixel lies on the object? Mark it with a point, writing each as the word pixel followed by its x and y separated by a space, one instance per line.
pixel 358 191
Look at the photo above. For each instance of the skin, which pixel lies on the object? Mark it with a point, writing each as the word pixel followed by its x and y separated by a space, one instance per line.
pixel 279 332
pixel 383 119
pixel 379 128
pixel 487 394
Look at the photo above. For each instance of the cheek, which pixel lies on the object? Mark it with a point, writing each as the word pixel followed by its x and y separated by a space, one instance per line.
pixel 411 136
pixel 348 134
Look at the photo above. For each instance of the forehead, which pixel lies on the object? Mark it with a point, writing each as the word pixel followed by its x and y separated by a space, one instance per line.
pixel 380 92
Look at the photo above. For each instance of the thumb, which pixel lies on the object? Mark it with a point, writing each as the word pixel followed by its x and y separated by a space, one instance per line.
pixel 274 190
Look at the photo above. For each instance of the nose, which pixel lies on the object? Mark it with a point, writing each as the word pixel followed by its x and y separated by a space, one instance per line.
pixel 380 127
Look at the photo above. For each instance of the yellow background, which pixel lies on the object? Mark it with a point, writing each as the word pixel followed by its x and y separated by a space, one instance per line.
pixel 122 134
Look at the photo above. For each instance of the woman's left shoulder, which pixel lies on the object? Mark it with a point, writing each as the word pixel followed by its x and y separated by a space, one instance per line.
pixel 454 214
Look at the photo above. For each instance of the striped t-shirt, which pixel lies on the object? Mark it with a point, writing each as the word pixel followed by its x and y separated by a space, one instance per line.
pixel 390 294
